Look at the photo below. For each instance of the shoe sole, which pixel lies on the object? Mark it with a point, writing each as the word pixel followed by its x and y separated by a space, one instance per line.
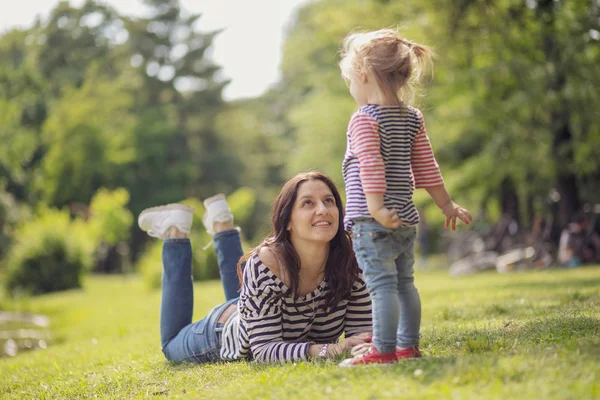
pixel 167 207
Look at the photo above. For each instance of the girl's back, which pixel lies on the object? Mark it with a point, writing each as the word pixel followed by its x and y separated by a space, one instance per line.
pixel 406 154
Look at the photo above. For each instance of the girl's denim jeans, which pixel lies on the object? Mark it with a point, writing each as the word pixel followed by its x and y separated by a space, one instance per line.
pixel 386 257
pixel 181 339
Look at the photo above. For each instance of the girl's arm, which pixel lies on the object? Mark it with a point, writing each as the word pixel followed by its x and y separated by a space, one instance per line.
pixel 450 209
pixel 364 138
pixel 427 175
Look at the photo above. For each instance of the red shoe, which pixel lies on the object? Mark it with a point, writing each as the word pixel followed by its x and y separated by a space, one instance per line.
pixel 411 352
pixel 365 354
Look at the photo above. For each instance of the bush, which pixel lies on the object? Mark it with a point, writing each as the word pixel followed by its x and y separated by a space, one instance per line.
pixel 47 256
pixel 11 212
pixel 150 265
pixel 109 225
pixel 110 220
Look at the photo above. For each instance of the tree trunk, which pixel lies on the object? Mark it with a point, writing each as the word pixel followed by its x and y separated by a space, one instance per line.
pixel 509 199
pixel 562 142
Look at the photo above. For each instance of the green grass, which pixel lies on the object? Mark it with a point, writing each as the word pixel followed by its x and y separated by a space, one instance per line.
pixel 526 336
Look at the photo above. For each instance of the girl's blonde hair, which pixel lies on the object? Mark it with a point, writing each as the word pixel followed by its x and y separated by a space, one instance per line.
pixel 397 64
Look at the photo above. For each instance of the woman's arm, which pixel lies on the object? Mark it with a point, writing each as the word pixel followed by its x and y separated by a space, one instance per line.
pixel 334 350
pixel 359 310
pixel 262 326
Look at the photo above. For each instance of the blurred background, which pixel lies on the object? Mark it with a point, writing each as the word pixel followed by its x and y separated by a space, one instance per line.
pixel 109 107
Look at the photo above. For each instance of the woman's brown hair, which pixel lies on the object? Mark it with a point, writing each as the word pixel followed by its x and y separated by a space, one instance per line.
pixel 341 268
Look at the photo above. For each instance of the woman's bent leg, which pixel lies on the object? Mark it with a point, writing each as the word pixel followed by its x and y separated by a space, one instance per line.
pixel 228 247
pixel 181 339
pixel 177 304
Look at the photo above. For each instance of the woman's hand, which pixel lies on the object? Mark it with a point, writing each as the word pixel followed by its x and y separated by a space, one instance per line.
pixel 335 349
pixel 349 343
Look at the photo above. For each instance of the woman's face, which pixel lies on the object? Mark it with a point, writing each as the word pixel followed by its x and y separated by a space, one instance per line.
pixel 315 216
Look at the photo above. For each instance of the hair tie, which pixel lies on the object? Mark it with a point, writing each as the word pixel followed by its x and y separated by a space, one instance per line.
pixel 415 49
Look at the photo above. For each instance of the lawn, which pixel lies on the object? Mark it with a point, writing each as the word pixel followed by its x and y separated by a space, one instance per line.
pixel 525 336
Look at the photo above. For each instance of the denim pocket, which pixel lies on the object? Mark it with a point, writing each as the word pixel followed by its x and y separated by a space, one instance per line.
pixel 383 244
pixel 200 326
pixel 372 241
pixel 379 235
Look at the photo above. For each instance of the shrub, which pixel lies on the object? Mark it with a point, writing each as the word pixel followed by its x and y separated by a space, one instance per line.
pixel 110 220
pixel 47 255
pixel 109 226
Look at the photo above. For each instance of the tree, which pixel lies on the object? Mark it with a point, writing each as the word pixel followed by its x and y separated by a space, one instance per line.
pixel 89 141
pixel 531 102
pixel 177 106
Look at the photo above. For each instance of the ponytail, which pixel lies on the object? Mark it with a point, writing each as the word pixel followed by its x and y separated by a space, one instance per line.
pixel 397 64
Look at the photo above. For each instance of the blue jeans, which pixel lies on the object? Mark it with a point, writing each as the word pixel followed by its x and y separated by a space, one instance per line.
pixel 181 339
pixel 386 257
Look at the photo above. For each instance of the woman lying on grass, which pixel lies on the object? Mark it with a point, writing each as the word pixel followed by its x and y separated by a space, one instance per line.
pixel 302 288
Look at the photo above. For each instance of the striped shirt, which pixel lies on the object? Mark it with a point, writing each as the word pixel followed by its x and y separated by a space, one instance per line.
pixel 387 151
pixel 271 326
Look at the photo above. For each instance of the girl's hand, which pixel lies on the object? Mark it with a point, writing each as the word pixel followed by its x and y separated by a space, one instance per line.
pixel 388 218
pixel 452 211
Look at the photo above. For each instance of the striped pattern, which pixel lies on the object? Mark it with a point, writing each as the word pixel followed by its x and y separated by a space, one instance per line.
pixel 405 151
pixel 272 327
pixel 363 133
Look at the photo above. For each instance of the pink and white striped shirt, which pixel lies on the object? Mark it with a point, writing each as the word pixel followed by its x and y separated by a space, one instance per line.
pixel 387 151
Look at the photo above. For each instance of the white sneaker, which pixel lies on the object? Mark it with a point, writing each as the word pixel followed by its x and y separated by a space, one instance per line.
pixel 217 210
pixel 156 221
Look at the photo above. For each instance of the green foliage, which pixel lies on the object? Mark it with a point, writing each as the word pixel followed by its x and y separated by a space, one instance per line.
pixel 523 92
pixel 11 213
pixel 242 202
pixel 95 121
pixel 47 255
pixel 91 99
pixel 180 92
pixel 149 266
pixel 110 220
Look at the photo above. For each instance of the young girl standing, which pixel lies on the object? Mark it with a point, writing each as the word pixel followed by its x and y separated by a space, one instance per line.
pixel 388 155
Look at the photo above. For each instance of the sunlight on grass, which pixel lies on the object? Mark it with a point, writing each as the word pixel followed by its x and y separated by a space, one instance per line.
pixel 530 335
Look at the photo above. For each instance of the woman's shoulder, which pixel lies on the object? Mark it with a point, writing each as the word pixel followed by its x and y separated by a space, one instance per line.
pixel 267 257
pixel 262 268
pixel 359 282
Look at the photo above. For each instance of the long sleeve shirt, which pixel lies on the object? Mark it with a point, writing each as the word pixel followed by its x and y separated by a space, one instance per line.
pixel 387 151
pixel 271 326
